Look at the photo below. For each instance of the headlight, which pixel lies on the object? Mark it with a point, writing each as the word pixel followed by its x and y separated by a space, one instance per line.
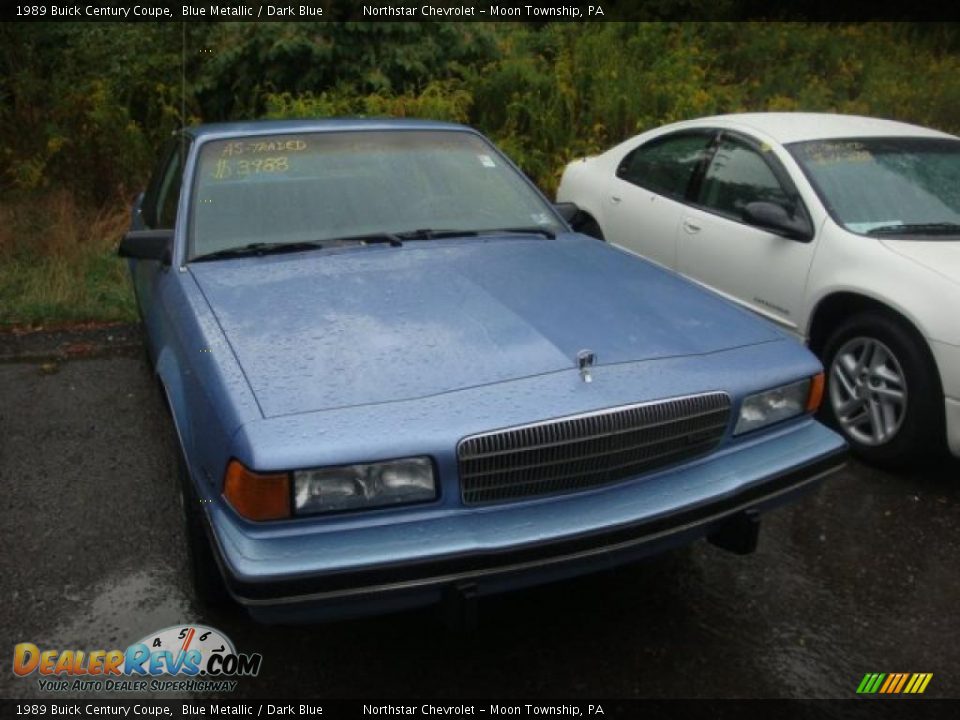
pixel 351 487
pixel 778 404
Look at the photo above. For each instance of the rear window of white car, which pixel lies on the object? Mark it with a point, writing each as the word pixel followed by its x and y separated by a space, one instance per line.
pixel 666 165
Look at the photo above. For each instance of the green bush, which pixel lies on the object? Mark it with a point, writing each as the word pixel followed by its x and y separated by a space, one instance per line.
pixel 440 100
pixel 85 107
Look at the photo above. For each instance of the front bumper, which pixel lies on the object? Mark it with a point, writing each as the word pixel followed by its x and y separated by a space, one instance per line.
pixel 948 363
pixel 952 409
pixel 289 576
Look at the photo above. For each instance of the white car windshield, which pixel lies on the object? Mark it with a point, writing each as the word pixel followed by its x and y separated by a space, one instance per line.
pixel 314 187
pixel 887 186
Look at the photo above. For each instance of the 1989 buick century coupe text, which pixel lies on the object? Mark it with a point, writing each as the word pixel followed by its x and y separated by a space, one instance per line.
pixel 395 374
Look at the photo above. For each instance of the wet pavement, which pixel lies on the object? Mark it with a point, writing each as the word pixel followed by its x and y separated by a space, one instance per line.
pixel 860 577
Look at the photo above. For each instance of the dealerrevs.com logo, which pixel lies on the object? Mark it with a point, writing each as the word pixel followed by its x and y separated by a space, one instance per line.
pixel 181 658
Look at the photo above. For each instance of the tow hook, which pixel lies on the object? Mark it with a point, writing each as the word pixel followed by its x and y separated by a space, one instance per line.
pixel 738 534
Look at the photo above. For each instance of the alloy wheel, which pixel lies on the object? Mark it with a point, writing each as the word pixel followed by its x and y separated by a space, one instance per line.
pixel 868 391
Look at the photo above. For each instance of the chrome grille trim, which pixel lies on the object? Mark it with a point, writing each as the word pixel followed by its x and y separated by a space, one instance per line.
pixel 579 451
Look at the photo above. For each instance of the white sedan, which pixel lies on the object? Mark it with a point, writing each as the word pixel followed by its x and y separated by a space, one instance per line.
pixel 843 230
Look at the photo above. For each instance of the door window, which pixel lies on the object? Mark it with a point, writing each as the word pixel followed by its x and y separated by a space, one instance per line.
pixel 163 197
pixel 738 175
pixel 666 165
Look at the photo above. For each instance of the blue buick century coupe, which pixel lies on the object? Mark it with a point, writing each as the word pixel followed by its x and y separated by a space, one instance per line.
pixel 397 376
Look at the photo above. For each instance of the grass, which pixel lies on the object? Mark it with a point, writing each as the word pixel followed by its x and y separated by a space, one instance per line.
pixel 58 263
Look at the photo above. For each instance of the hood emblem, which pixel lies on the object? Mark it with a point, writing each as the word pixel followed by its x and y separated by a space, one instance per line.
pixel 586 359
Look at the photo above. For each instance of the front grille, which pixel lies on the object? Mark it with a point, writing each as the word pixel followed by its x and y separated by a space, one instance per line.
pixel 582 451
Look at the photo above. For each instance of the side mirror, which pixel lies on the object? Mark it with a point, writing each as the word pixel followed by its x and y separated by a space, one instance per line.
pixel 147 245
pixel 775 218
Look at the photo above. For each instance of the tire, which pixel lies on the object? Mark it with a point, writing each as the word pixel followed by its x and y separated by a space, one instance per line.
pixel 883 392
pixel 205 574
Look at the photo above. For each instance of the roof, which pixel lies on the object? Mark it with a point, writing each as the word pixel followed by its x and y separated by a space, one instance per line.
pixel 269 127
pixel 788 127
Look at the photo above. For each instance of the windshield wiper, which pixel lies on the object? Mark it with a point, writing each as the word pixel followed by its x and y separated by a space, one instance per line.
pixel 379 238
pixel 430 234
pixel 940 228
pixel 258 248
pixel 393 239
pixel 532 230
pixel 267 248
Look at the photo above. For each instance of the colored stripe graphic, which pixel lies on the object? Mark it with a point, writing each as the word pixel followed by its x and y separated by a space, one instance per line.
pixel 894 683
pixel 918 683
pixel 903 679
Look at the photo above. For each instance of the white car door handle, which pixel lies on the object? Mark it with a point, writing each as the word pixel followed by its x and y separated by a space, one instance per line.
pixel 615 198
pixel 691 227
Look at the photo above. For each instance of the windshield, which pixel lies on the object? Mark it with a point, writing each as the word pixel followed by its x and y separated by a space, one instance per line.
pixel 311 187
pixel 886 186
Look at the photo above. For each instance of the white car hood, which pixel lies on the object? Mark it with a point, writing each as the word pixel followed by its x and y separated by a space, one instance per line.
pixel 942 256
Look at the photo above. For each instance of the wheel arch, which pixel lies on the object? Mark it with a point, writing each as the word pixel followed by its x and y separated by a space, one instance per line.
pixel 584 218
pixel 833 309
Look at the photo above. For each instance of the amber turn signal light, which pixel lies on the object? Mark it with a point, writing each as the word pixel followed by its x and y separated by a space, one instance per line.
pixel 257 496
pixel 816 393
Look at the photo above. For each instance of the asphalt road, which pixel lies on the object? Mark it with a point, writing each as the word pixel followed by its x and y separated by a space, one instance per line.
pixel 860 577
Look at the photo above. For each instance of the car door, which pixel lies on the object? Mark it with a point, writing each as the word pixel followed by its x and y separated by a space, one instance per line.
pixel 765 271
pixel 158 211
pixel 644 201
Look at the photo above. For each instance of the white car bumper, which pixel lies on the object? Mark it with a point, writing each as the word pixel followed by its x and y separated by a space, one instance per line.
pixel 953 426
pixel 948 362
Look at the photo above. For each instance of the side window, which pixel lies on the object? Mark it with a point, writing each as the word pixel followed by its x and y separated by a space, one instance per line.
pixel 667 164
pixel 163 196
pixel 169 193
pixel 739 175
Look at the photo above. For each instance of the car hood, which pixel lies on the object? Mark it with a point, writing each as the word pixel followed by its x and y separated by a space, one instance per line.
pixel 372 324
pixel 941 256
